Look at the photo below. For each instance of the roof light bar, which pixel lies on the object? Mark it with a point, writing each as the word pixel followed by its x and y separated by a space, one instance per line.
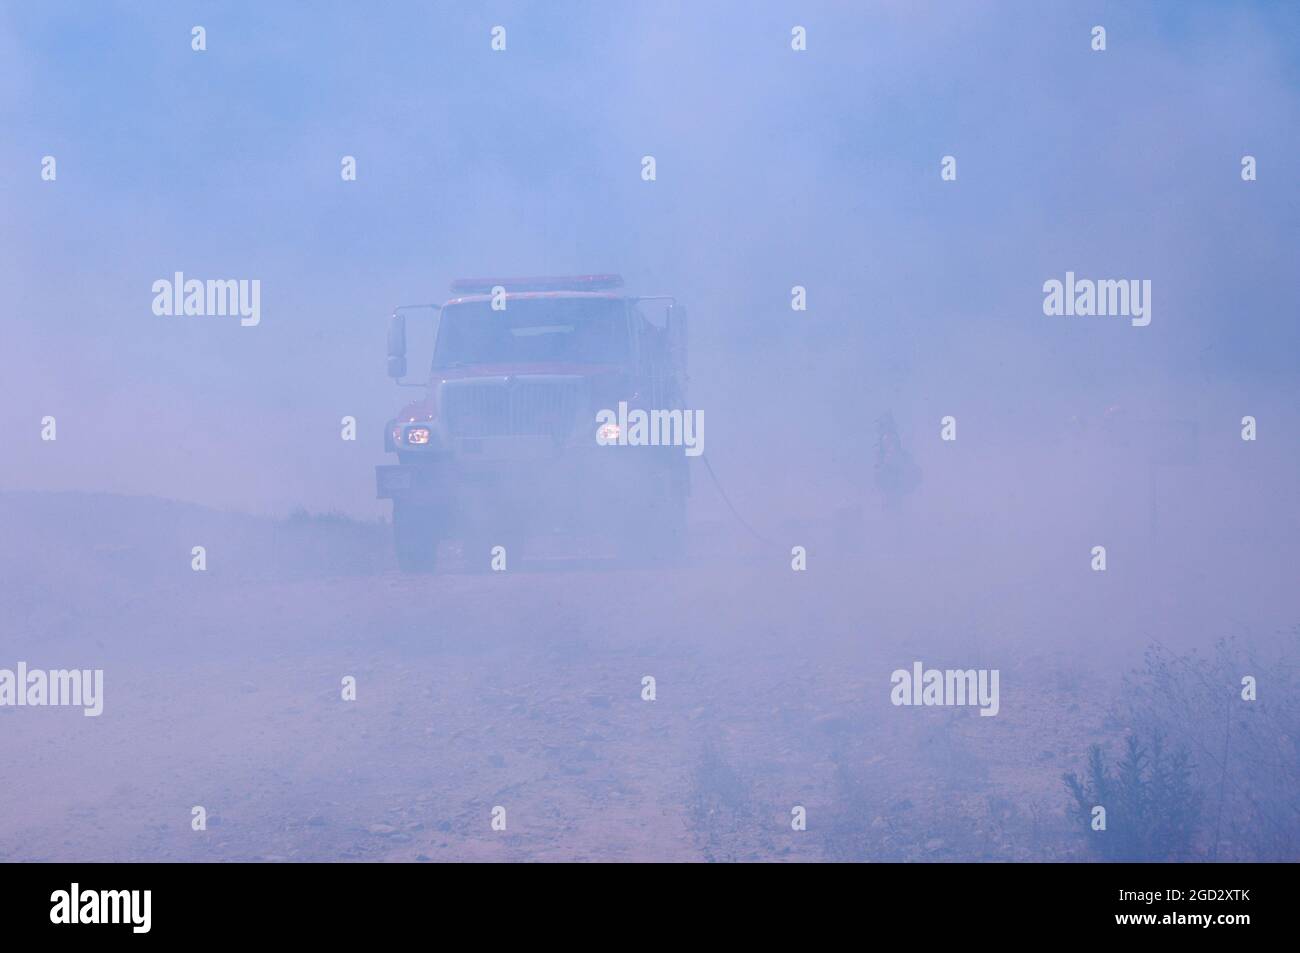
pixel 541 283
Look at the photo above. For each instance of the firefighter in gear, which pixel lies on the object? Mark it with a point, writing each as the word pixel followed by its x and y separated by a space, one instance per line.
pixel 896 473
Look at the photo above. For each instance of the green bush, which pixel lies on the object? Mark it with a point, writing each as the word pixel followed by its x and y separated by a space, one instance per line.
pixel 1152 807
pixel 1247 752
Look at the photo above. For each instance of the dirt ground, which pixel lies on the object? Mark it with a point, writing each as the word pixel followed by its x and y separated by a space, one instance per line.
pixel 523 690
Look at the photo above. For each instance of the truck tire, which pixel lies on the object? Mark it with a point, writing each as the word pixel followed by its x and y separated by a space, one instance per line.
pixel 476 548
pixel 415 536
pixel 668 535
pixel 656 534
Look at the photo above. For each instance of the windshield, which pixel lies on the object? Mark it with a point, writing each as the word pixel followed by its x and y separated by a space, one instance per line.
pixel 532 331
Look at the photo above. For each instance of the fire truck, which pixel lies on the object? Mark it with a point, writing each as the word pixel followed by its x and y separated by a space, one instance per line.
pixel 503 444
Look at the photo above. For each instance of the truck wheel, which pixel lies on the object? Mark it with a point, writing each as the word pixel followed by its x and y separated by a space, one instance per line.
pixel 668 537
pixel 657 535
pixel 415 536
pixel 477 547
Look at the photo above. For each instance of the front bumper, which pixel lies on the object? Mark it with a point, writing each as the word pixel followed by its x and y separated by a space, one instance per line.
pixel 402 482
pixel 488 468
pixel 591 489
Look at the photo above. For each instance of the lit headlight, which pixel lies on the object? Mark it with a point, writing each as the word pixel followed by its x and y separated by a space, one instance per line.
pixel 417 436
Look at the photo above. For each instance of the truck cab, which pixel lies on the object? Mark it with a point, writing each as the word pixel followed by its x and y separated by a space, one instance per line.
pixel 504 444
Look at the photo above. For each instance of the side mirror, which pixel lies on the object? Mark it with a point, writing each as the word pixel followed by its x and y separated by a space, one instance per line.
pixel 677 335
pixel 397 346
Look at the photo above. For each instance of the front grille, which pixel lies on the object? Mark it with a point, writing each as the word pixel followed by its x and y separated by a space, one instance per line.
pixel 510 407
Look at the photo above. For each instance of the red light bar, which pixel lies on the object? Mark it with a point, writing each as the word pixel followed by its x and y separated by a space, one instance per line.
pixel 556 283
